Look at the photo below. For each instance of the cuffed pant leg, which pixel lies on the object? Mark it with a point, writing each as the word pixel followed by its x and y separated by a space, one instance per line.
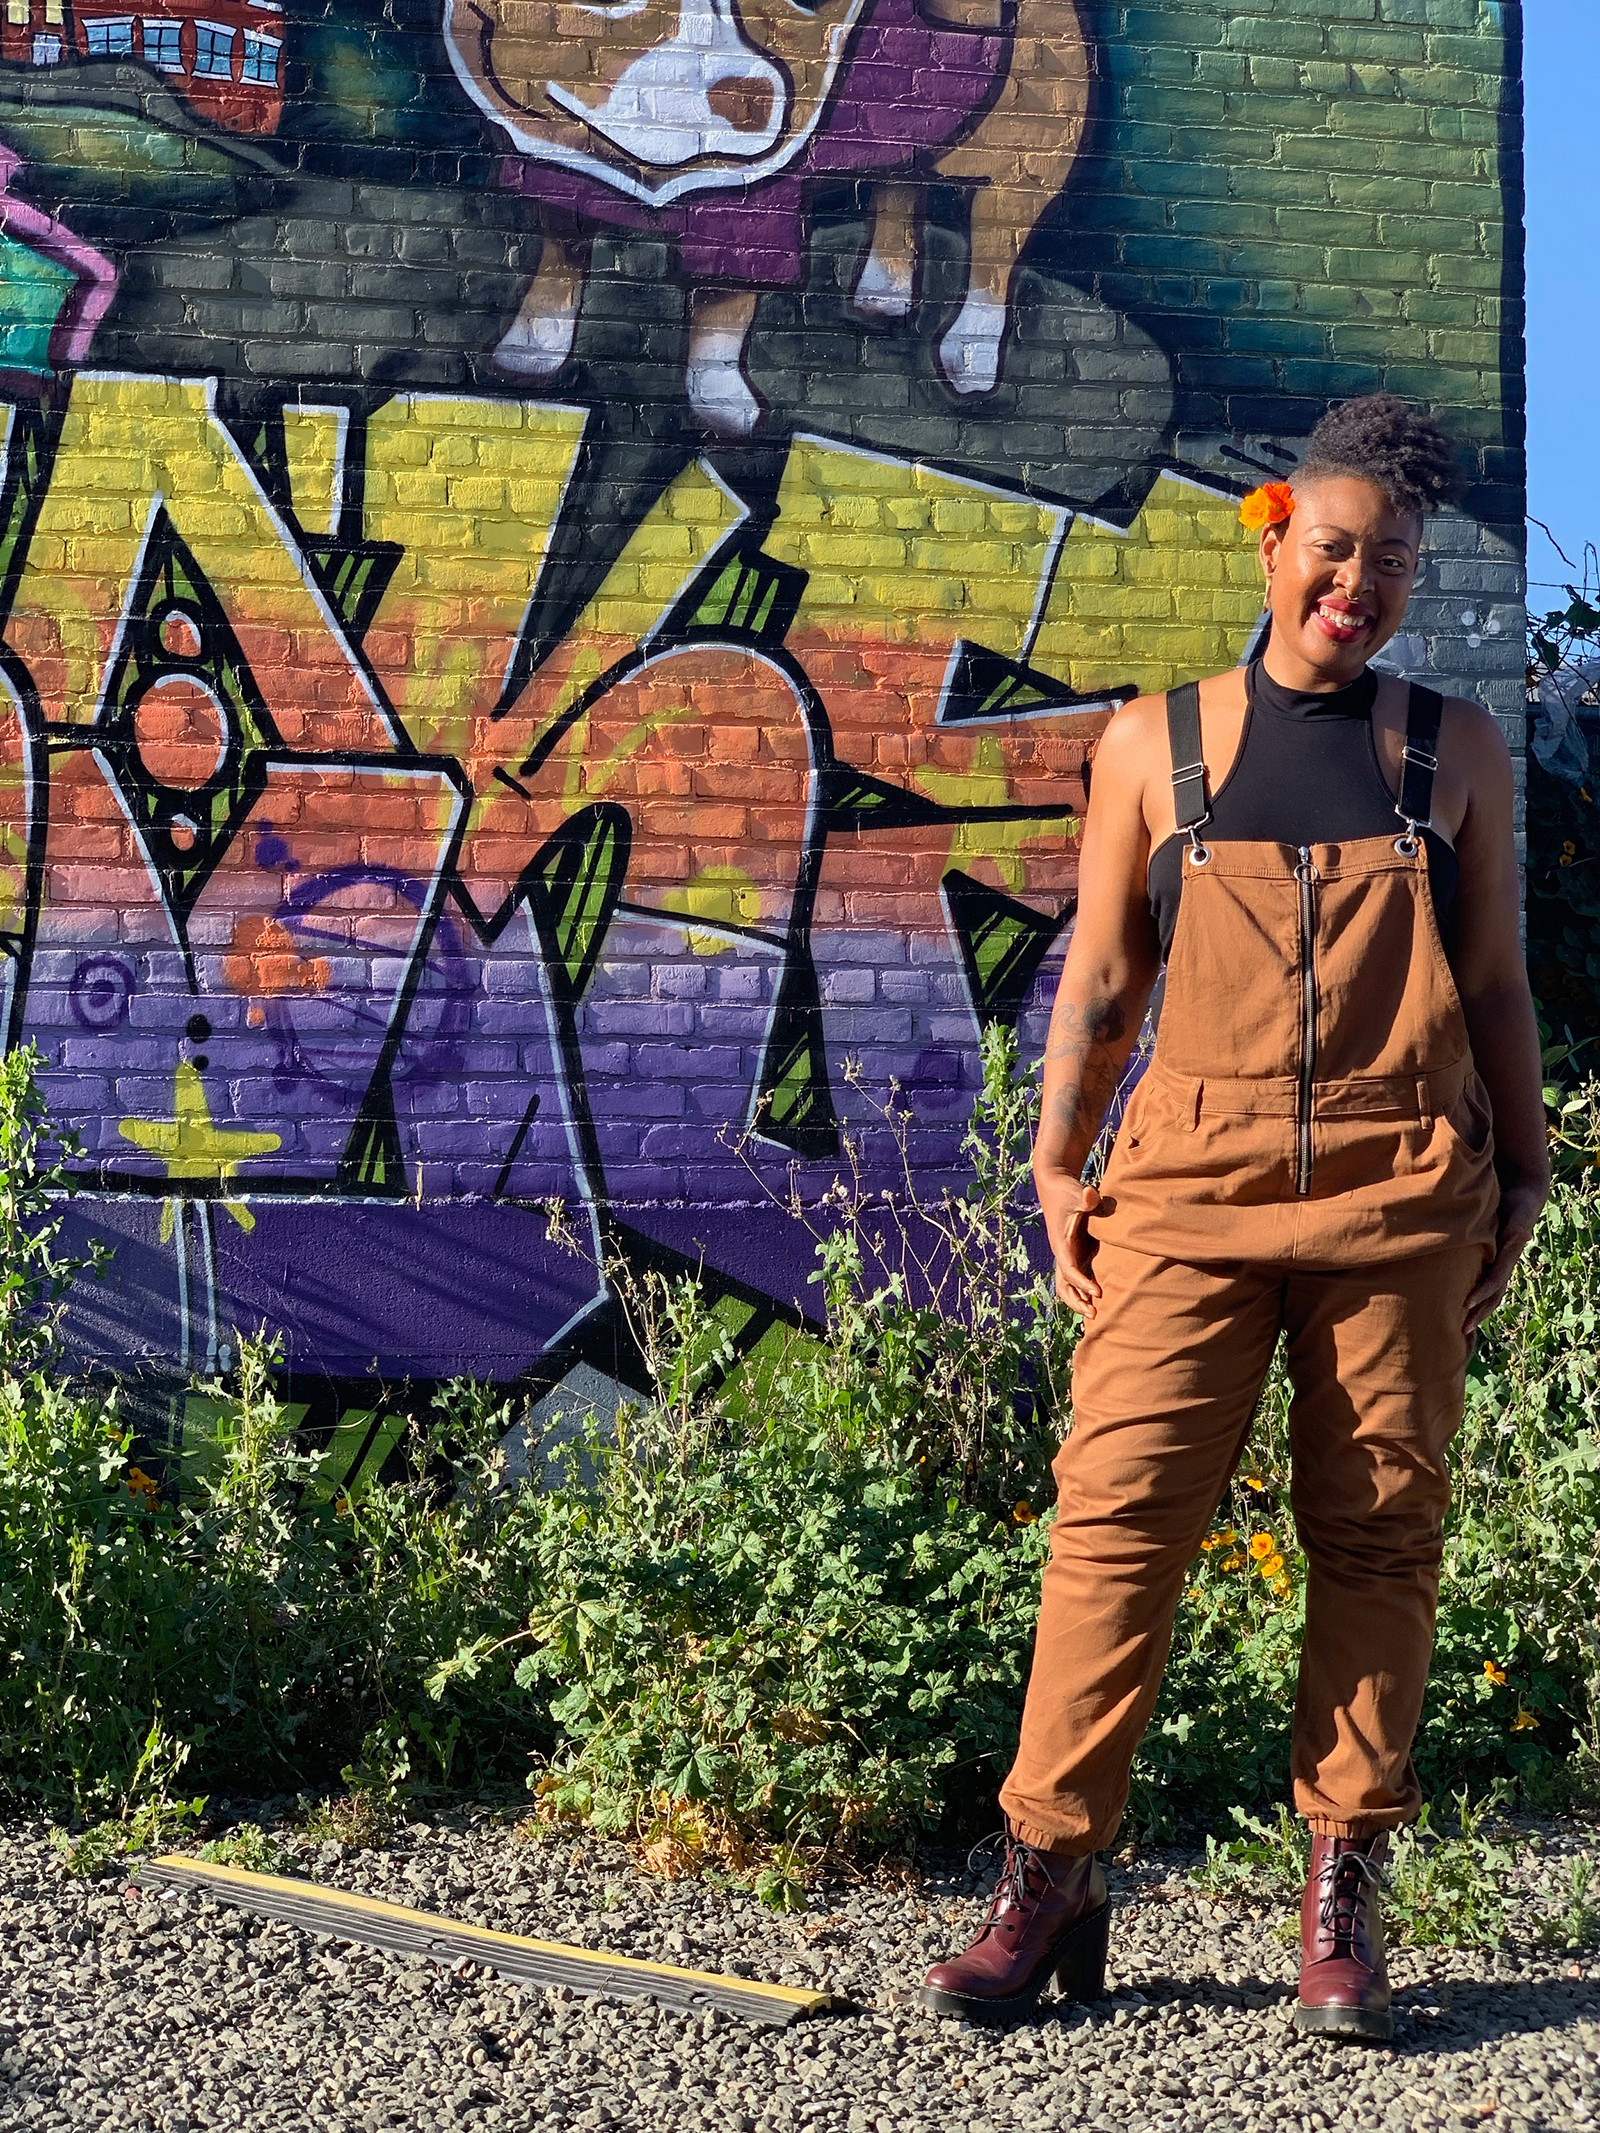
pixel 1164 1384
pixel 1378 1361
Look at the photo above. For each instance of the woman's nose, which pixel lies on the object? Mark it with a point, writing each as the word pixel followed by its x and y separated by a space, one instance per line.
pixel 1354 574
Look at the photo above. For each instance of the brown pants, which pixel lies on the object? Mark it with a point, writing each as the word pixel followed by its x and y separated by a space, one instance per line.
pixel 1164 1386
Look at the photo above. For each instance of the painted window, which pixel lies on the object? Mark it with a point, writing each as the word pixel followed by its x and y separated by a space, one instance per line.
pixel 161 46
pixel 260 57
pixel 17 13
pixel 110 37
pixel 213 50
pixel 46 51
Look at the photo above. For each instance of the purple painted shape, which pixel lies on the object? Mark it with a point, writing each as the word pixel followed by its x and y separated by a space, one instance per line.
pixel 665 1134
pixel 132 1316
pixel 474 1288
pixel 907 87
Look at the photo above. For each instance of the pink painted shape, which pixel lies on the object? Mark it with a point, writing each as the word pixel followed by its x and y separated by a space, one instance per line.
pixel 94 276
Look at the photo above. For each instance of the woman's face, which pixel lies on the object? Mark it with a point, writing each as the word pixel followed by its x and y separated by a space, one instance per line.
pixel 1339 574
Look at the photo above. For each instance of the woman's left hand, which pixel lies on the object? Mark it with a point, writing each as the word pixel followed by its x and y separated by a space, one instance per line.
pixel 1520 1208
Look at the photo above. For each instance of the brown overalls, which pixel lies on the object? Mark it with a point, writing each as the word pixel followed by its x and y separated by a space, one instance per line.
pixel 1309 1151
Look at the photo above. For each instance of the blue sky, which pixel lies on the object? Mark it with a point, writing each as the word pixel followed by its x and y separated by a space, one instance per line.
pixel 1563 83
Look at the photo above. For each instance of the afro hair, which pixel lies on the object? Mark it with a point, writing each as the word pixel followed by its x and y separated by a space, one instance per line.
pixel 1383 441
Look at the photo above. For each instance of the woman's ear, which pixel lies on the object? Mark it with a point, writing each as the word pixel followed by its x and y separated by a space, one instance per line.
pixel 1271 549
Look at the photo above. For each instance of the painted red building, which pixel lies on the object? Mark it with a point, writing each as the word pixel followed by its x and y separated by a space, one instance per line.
pixel 224 57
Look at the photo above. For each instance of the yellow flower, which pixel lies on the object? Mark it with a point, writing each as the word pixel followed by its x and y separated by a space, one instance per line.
pixel 1524 1720
pixel 1024 1513
pixel 1224 1539
pixel 1271 1566
pixel 1497 1674
pixel 1262 1545
pixel 141 1487
pixel 1254 1481
pixel 1269 505
pixel 1233 1562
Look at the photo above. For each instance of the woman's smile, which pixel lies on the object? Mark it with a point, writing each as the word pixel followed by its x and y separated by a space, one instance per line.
pixel 1342 621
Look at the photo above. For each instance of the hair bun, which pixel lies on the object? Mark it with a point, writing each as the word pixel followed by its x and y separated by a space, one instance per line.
pixel 1382 440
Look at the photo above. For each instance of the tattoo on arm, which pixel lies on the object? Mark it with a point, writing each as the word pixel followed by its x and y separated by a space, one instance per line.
pixel 1086 1037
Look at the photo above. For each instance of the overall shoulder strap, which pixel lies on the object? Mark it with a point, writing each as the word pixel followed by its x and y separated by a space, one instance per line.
pixel 1419 757
pixel 1190 801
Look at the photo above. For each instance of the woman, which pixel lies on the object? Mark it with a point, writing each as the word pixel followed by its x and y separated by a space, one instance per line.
pixel 1340 1139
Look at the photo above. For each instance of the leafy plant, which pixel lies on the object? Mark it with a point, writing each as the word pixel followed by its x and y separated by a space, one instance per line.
pixel 1265 1859
pixel 249 1846
pixel 1451 1889
pixel 1575 1925
pixel 35 1182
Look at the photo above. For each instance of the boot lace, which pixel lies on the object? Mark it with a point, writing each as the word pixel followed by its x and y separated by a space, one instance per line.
pixel 1347 1879
pixel 1024 1876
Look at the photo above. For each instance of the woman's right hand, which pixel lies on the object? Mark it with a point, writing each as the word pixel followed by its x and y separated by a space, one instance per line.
pixel 1076 1285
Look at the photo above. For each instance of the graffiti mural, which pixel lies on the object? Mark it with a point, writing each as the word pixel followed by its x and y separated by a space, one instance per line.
pixel 561 568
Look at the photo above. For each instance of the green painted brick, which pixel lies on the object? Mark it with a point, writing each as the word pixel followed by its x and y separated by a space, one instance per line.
pixel 1378 122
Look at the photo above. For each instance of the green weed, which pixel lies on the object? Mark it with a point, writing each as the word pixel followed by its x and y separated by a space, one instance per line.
pixel 1574 1925
pixel 248 1846
pixel 1267 1859
pixel 786 1608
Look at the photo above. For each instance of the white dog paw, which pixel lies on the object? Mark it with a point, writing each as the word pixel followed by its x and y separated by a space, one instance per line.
pixel 969 354
pixel 886 288
pixel 720 396
pixel 537 347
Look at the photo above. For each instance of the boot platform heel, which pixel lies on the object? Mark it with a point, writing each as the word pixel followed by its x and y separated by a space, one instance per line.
pixel 1081 1968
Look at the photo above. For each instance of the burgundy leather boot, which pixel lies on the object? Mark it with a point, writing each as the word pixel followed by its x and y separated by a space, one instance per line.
pixel 1344 1987
pixel 1050 1917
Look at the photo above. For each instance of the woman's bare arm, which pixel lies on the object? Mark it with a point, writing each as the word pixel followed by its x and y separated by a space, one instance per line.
pixel 1492 979
pixel 1105 987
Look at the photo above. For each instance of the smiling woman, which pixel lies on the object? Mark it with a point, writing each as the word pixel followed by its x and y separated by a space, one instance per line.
pixel 1340 1140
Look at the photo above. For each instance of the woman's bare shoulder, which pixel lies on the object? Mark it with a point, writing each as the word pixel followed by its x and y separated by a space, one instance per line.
pixel 1137 733
pixel 1472 736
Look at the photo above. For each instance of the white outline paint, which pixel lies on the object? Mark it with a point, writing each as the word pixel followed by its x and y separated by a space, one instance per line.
pixel 694 569
pixel 539 150
pixel 341 452
pixel 558 1074
pixel 180 1238
pixel 1061 943
pixel 374 696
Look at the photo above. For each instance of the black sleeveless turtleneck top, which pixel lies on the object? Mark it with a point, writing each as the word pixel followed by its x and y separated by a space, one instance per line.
pixel 1307 772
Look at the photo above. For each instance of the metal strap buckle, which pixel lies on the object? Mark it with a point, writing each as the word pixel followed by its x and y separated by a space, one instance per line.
pixel 1419 756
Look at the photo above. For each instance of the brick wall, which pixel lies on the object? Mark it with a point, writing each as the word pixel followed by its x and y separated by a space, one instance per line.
pixel 557 592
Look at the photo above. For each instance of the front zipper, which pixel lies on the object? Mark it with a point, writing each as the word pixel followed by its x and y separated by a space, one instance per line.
pixel 1306 875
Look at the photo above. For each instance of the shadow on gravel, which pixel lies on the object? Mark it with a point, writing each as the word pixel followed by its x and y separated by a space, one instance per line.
pixel 1445 2015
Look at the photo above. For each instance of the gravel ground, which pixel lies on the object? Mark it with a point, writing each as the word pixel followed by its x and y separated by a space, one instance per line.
pixel 166 2013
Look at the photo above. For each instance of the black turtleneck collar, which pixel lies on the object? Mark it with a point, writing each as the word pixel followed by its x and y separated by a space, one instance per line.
pixel 1355 700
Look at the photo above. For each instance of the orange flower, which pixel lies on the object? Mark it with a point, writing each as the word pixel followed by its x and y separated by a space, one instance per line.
pixel 1497 1674
pixel 1262 1545
pixel 1024 1513
pixel 1269 505
pixel 1523 1720
pixel 141 1487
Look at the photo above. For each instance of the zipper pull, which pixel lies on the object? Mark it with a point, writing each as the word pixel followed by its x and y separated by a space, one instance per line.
pixel 1305 873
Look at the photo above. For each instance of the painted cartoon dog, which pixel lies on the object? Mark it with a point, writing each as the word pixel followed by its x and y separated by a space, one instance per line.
pixel 704 120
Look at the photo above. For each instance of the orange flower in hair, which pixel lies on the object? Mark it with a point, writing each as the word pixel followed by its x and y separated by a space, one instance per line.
pixel 1269 505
